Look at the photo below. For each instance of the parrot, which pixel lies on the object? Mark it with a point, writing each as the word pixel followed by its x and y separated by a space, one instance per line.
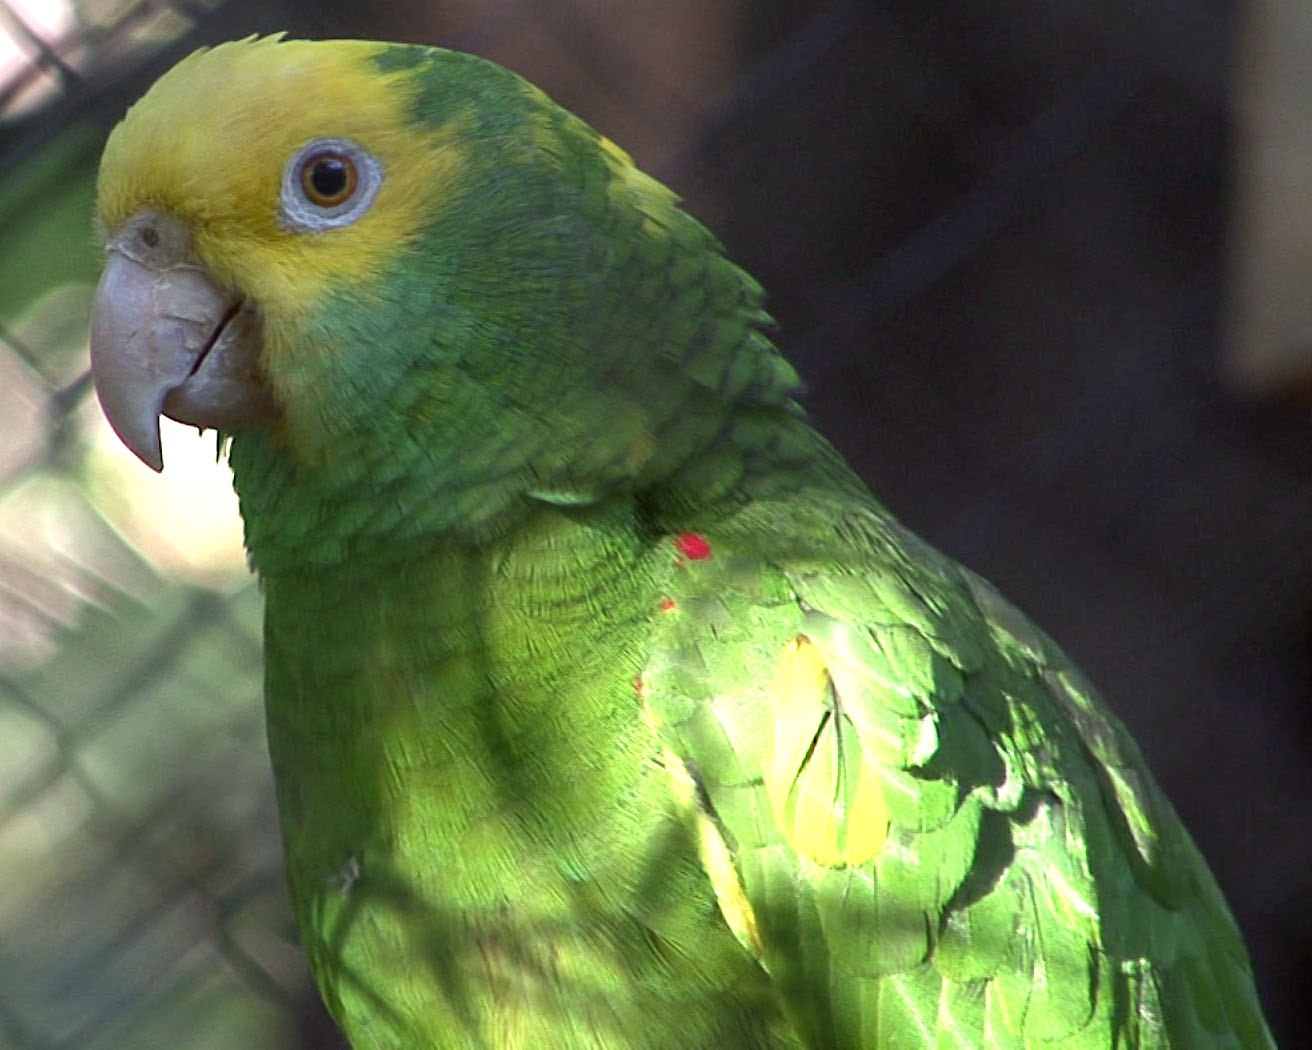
pixel 606 706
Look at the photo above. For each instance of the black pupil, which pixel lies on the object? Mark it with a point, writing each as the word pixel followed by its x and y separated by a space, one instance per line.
pixel 330 177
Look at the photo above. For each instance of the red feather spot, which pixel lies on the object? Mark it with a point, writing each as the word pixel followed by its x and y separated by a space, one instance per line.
pixel 639 686
pixel 668 605
pixel 692 546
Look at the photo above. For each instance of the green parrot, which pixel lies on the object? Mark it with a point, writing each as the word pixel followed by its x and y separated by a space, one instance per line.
pixel 607 707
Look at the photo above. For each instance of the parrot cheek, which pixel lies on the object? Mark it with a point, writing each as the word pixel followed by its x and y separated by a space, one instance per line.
pixel 167 338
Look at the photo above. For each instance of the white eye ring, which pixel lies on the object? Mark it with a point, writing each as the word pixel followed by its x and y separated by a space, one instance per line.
pixel 298 211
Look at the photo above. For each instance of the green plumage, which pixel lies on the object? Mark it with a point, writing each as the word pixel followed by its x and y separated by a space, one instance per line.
pixel 570 600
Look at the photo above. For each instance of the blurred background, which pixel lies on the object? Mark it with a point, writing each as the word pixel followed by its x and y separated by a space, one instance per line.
pixel 1044 267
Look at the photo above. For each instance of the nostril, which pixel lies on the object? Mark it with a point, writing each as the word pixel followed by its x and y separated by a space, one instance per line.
pixel 149 236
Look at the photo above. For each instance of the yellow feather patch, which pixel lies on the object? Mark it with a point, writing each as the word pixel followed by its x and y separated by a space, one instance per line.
pixel 823 787
pixel 618 155
pixel 716 859
pixel 209 143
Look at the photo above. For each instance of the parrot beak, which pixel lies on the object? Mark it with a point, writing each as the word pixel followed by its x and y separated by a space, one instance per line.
pixel 167 338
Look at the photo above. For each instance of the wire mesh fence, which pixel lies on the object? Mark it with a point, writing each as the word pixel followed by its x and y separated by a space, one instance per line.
pixel 992 236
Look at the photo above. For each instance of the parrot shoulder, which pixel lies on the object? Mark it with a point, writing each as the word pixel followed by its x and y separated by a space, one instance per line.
pixel 918 813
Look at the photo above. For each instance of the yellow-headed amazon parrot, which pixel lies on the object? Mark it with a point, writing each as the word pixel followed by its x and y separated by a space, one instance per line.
pixel 607 707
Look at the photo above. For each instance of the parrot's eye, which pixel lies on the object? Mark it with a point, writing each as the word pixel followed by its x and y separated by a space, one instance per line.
pixel 328 179
pixel 328 183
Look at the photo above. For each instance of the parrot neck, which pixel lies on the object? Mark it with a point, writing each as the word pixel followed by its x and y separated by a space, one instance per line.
pixel 462 749
pixel 501 675
pixel 464 727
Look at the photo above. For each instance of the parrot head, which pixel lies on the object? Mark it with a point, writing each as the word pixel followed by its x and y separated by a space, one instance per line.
pixel 401 276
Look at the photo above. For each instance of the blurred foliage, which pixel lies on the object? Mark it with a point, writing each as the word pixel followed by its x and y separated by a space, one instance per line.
pixel 45 215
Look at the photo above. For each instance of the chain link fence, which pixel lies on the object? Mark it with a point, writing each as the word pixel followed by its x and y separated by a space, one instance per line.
pixel 992 236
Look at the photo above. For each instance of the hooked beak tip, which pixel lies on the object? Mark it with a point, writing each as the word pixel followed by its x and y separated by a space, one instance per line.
pixel 167 339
